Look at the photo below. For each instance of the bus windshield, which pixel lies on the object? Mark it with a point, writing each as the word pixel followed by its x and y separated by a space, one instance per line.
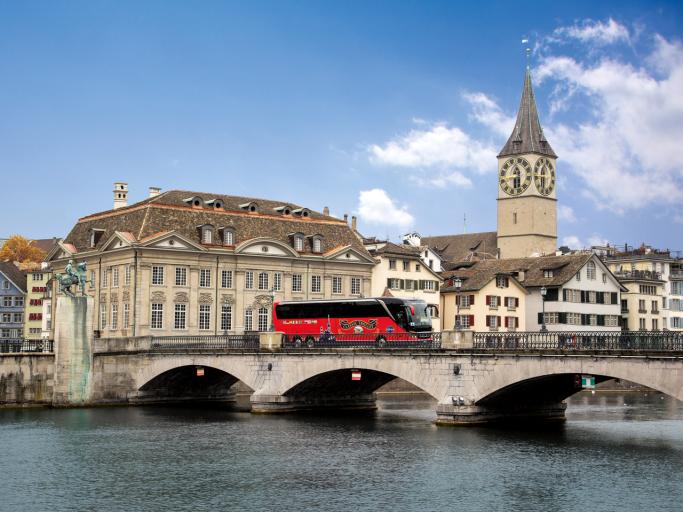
pixel 419 314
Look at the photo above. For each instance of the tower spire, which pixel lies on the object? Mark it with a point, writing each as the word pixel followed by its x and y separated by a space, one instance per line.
pixel 527 135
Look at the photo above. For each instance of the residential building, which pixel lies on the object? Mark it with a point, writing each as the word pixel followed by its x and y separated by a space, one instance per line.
pixel 400 272
pixel 184 262
pixel 489 299
pixel 580 291
pixel 428 255
pixel 36 295
pixel 12 301
pixel 674 301
pixel 642 304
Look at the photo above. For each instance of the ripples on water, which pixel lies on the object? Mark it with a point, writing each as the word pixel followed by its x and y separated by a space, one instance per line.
pixel 617 451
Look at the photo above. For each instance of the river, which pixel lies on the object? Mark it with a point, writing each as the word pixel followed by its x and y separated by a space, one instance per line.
pixel 617 451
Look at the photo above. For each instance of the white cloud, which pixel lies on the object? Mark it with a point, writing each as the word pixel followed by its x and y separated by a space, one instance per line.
pixel 376 207
pixel 566 213
pixel 573 242
pixel 487 112
pixel 439 153
pixel 597 240
pixel 596 32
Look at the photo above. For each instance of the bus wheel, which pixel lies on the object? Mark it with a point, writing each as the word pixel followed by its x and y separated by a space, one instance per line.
pixel 381 341
pixel 297 342
pixel 310 342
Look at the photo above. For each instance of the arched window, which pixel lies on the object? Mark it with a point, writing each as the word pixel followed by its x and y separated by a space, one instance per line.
pixel 228 237
pixel 317 244
pixel 299 242
pixel 590 270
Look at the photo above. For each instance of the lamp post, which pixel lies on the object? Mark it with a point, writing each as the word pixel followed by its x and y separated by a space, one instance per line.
pixel 457 283
pixel 544 292
pixel 272 309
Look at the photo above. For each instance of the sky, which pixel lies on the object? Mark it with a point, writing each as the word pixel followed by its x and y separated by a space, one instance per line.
pixel 390 111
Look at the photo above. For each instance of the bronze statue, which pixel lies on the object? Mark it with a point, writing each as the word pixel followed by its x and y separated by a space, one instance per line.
pixel 72 277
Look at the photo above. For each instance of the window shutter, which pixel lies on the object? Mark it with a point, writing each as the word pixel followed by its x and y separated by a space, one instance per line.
pixel 471 321
pixel 516 302
pixel 507 321
pixel 584 319
pixel 389 283
pixel 500 301
pixel 416 285
pixel 471 300
pixel 540 318
pixel 488 300
pixel 564 295
pixel 615 298
pixel 562 318
pixel 516 321
pixel 601 319
pixel 403 284
pixel 600 298
pixel 498 324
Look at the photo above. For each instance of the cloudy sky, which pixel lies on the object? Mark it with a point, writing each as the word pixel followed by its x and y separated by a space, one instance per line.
pixel 391 111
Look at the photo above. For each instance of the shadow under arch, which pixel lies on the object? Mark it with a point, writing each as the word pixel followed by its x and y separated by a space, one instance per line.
pixel 186 384
pixel 545 389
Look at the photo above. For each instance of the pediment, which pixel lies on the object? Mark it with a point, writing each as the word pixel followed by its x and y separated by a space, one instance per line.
pixel 60 251
pixel 117 241
pixel 265 247
pixel 349 255
pixel 172 241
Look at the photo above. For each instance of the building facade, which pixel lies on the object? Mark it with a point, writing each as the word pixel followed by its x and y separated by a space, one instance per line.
pixel 36 295
pixel 400 272
pixel 194 263
pixel 12 302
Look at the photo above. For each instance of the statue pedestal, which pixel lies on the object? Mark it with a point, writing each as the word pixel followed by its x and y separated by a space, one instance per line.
pixel 73 318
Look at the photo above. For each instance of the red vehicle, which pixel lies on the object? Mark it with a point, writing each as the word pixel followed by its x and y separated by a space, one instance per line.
pixel 381 320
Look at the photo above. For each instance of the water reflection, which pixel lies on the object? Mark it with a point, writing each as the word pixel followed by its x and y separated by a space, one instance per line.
pixel 616 451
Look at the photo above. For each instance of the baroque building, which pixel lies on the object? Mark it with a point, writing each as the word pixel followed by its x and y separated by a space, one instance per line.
pixel 184 262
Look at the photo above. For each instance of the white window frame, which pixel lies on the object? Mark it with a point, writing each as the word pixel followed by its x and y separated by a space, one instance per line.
pixel 180 317
pixel 297 283
pixel 204 321
pixel 248 319
pixel 356 286
pixel 226 317
pixel 207 235
pixel 156 320
pixel 114 316
pixel 157 275
pixel 277 281
pixel 263 281
pixel 228 237
pixel 126 315
pixel 298 243
pixel 181 276
pixel 127 275
pixel 205 278
pixel 316 284
pixel 263 323
pixel 226 279
pixel 249 280
pixel 115 277
pixel 337 285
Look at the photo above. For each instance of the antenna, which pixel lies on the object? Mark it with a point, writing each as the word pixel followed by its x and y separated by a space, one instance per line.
pixel 464 223
pixel 527 50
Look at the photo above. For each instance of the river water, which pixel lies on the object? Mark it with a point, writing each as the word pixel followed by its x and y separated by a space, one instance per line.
pixel 617 451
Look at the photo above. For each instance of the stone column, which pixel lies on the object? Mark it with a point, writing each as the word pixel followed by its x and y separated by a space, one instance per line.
pixel 73 317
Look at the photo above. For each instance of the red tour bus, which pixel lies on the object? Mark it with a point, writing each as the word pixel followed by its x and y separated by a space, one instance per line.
pixel 376 319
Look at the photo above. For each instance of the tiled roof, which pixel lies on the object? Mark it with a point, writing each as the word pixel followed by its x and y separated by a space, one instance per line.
pixel 14 274
pixel 527 135
pixel 170 212
pixel 392 249
pixel 462 247
pixel 478 275
pixel 45 244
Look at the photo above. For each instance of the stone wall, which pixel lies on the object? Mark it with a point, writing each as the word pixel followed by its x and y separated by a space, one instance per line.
pixel 26 380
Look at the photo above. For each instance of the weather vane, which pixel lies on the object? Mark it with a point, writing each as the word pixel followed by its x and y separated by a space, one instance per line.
pixel 527 50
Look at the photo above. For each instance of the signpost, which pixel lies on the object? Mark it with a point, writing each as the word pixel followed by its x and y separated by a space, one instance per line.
pixel 355 374
pixel 587 381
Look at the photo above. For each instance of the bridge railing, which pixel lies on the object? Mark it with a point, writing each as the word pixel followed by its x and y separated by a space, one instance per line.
pixel 209 342
pixel 19 346
pixel 582 341
pixel 382 341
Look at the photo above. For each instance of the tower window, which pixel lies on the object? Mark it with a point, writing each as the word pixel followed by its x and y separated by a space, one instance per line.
pixel 517 180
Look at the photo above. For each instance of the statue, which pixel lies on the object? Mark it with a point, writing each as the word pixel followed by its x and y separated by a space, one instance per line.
pixel 72 277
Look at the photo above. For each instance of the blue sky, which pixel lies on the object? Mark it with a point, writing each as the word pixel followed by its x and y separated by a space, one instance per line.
pixel 392 111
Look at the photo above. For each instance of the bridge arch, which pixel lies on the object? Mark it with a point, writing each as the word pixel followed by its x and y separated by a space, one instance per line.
pixel 164 367
pixel 334 377
pixel 553 379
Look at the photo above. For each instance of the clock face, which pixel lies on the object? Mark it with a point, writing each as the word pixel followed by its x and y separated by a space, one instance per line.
pixel 515 176
pixel 544 176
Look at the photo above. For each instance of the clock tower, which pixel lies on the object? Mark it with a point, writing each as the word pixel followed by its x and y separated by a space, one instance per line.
pixel 527 200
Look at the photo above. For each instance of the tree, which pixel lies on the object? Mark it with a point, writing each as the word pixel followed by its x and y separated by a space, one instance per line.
pixel 20 250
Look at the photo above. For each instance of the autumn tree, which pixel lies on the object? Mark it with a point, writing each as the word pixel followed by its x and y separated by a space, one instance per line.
pixel 20 250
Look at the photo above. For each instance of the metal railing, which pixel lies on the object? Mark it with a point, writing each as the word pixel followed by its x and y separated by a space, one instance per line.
pixel 382 341
pixel 209 342
pixel 578 341
pixel 18 346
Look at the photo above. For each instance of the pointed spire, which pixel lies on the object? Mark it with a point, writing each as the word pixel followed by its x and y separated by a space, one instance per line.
pixel 527 136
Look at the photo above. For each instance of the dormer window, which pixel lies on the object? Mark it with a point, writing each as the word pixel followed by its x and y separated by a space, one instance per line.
pixel 548 273
pixel 302 212
pixel 228 236
pixel 317 244
pixel 95 235
pixel 284 210
pixel 298 241
pixel 195 202
pixel 216 203
pixel 251 207
pixel 207 234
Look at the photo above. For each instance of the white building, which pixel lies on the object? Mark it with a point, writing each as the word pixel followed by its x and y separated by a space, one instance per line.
pixel 430 258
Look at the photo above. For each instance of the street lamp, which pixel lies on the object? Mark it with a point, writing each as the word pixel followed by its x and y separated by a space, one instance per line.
pixel 272 309
pixel 457 283
pixel 544 292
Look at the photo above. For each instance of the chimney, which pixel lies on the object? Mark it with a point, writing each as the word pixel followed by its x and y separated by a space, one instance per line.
pixel 354 223
pixel 120 194
pixel 326 211
pixel 154 191
pixel 346 218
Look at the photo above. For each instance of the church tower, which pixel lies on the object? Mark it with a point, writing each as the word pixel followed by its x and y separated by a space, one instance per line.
pixel 527 201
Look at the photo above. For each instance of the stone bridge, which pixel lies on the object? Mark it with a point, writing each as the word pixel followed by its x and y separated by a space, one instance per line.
pixel 469 385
